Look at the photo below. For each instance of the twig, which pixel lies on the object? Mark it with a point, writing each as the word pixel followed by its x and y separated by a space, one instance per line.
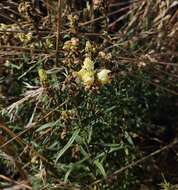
pixel 59 10
pixel 11 133
pixel 23 49
pixel 102 17
pixel 18 184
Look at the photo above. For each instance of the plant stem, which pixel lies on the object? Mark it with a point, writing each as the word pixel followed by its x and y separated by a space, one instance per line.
pixel 59 10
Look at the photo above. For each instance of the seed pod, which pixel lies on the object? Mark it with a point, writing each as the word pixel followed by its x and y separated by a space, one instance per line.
pixel 43 77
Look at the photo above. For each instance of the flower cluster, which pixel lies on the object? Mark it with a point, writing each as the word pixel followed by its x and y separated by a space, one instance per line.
pixel 71 45
pixel 6 36
pixel 25 38
pixel 71 52
pixel 73 22
pixel 88 75
pixel 104 56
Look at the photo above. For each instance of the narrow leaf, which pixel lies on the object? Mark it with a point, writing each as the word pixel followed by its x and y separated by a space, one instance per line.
pixel 46 125
pixel 70 142
pixel 100 167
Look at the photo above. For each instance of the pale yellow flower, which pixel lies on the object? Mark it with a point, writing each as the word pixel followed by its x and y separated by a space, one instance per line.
pixel 88 64
pixel 81 73
pixel 87 77
pixel 86 73
pixel 103 76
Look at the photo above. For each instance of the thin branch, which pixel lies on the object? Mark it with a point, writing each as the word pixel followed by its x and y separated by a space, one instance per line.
pixel 59 12
pixel 18 185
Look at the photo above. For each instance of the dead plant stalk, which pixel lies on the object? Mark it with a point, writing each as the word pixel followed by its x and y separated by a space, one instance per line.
pixel 59 10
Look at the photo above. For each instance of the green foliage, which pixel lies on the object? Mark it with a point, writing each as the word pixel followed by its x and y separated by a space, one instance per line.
pixel 97 108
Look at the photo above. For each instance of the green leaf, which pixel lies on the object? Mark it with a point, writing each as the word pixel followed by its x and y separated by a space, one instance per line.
pixel 70 142
pixel 46 125
pixel 90 132
pixel 129 139
pixel 111 109
pixel 100 167
pixel 67 174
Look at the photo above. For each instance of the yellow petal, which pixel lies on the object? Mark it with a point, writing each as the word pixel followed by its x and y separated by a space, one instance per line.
pixel 88 78
pixel 88 64
pixel 103 76
pixel 81 73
